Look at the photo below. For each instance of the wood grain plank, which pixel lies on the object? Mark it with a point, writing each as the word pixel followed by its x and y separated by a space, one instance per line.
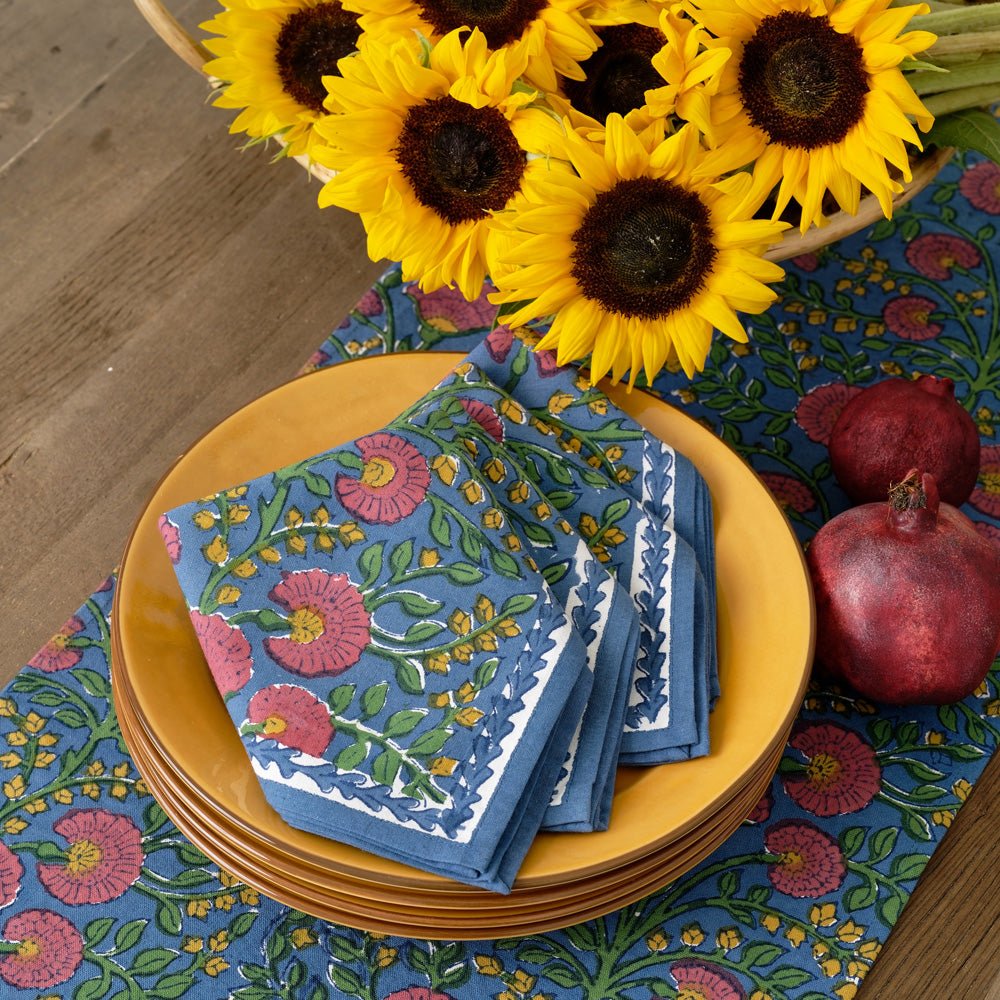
pixel 175 281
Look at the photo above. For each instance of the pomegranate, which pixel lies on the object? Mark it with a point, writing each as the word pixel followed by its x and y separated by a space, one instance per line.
pixel 897 424
pixel 907 597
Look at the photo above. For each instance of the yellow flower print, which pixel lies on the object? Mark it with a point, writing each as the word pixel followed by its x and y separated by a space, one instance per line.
pixel 14 826
pixel 349 533
pixel 692 935
pixel 238 513
pixel 508 628
pixel 270 555
pixel 460 622
pixel 492 518
pixel 205 519
pixel 439 700
pixel 830 967
pixel 198 908
pixel 850 932
pixel 216 965
pixel 38 806
pixel 483 609
pixel 522 982
pixel 728 938
pixel 445 467
pixel 658 941
pixel 465 693
pixel 472 492
pixel 303 937
pixel 443 765
pixel 10 760
pixel 518 492
pixel 823 915
pixel 487 965
pixel 795 935
pixel 437 663
pixel 246 568
pixel 468 716
pixel 34 723
pixel 216 551
pixel 495 470
pixel 192 945
pixel 219 941
pixel 513 411
pixel 384 957
pixel 14 788
pixel 227 594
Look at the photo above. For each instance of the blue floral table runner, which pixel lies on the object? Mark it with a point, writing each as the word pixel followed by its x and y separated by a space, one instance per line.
pixel 101 896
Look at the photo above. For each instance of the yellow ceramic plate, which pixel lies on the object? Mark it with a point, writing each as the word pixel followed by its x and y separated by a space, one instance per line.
pixel 339 900
pixel 562 904
pixel 765 627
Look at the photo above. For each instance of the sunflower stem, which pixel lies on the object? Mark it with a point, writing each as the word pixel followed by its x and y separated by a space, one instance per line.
pixel 965 43
pixel 982 71
pixel 980 17
pixel 959 100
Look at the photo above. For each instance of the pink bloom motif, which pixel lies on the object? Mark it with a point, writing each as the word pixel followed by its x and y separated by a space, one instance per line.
pixel 171 538
pixel 226 649
pixel 697 980
pixel 762 811
pixel 370 304
pixel 56 654
pixel 842 773
pixel 293 717
pixel 11 871
pixel 986 493
pixel 393 481
pixel 104 857
pixel 809 862
pixel 981 185
pixel 909 317
pixel 818 409
pixel 329 623
pixel 447 310
pixel 545 362
pixel 485 416
pixel 317 359
pixel 50 950
pixel 791 493
pixel 935 254
pixel 499 341
pixel 806 261
pixel 419 993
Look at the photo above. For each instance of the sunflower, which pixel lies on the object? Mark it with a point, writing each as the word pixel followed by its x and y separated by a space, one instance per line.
pixel 553 35
pixel 272 55
pixel 426 153
pixel 637 260
pixel 814 97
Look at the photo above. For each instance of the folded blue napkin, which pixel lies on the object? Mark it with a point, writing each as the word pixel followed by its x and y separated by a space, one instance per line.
pixel 402 681
pixel 641 542
pixel 601 609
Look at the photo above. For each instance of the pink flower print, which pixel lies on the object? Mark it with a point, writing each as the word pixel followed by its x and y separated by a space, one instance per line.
pixel 104 857
pixel 697 980
pixel 981 185
pixel 909 317
pixel 762 811
pixel 419 993
pixel 986 493
pixel 293 717
pixel 935 254
pixel 393 481
pixel 806 261
pixel 56 654
pixel 226 649
pixel 329 623
pixel 808 863
pixel 842 773
pixel 50 950
pixel 447 310
pixel 791 493
pixel 485 416
pixel 818 409
pixel 171 538
pixel 499 341
pixel 370 304
pixel 11 871
pixel 545 363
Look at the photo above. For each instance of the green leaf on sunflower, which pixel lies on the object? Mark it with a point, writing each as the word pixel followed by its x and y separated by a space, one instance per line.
pixel 973 129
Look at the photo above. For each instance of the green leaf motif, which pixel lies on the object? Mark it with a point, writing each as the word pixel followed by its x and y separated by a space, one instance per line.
pixel 402 723
pixel 420 632
pixel 373 699
pixel 760 954
pixel 340 697
pixel 93 683
pixel 94 989
pixel 151 961
pixel 400 559
pixel 861 896
pixel 128 935
pixel 171 986
pixel 97 930
pixel 430 742
pixel 908 866
pixel 386 766
pixel 351 757
pixel 370 564
pixel 562 975
pixel 168 917
pixel 881 844
pixel 439 527
pixel 471 542
pixel 518 604
pixel 463 573
pixel 270 621
pixel 416 604
pixel 851 840
pixel 346 980
pixel 506 564
pixel 408 677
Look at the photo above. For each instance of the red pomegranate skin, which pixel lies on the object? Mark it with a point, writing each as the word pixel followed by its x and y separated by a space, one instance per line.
pixel 900 424
pixel 907 600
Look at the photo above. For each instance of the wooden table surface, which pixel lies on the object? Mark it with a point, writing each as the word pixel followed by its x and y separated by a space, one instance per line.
pixel 153 280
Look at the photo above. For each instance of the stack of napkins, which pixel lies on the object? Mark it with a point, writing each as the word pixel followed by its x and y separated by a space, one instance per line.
pixel 444 636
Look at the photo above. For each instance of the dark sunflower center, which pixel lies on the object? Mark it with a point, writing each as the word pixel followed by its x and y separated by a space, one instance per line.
pixel 501 21
pixel 461 161
pixel 309 44
pixel 802 81
pixel 619 73
pixel 644 248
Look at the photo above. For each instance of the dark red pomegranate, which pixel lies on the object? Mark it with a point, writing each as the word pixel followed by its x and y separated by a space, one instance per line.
pixel 897 425
pixel 907 597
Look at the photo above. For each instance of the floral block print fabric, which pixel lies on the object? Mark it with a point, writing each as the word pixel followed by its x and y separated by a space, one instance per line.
pixel 101 896
pixel 667 712
pixel 336 672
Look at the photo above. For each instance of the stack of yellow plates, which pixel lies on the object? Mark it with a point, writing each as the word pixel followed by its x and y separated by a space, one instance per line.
pixel 665 819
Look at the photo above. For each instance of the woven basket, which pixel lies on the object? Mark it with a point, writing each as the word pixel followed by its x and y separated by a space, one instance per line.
pixel 925 166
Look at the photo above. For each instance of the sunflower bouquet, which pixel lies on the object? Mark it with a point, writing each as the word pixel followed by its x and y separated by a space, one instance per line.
pixel 618 169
